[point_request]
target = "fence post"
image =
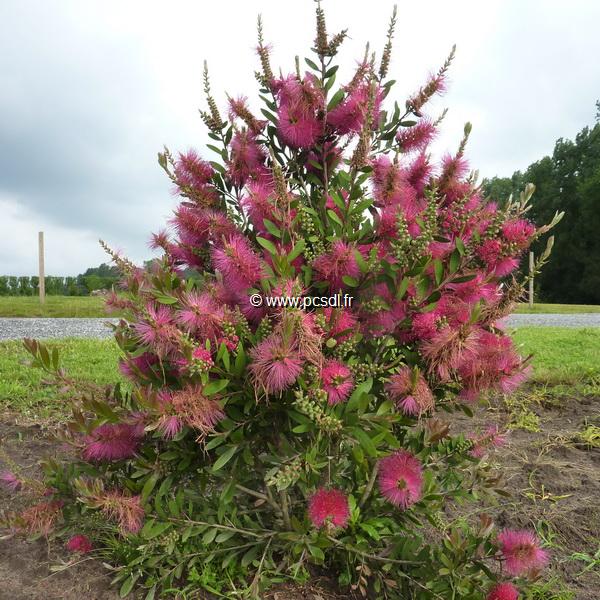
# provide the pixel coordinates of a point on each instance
(42, 284)
(531, 270)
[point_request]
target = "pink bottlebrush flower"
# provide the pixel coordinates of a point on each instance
(491, 438)
(276, 364)
(329, 506)
(410, 392)
(521, 552)
(80, 543)
(40, 518)
(449, 349)
(436, 84)
(261, 204)
(138, 366)
(401, 478)
(518, 232)
(350, 115)
(510, 382)
(337, 381)
(454, 168)
(417, 137)
(196, 410)
(340, 323)
(247, 158)
(425, 325)
(157, 329)
(237, 263)
(336, 263)
(11, 481)
(505, 266)
(197, 226)
(300, 101)
(296, 128)
(391, 187)
(238, 107)
(475, 290)
(195, 174)
(169, 426)
(203, 355)
(503, 591)
(419, 173)
(127, 511)
(201, 314)
(111, 442)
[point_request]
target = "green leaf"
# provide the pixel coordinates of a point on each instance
(272, 228)
(335, 100)
(267, 245)
(297, 249)
(460, 246)
(357, 394)
(365, 441)
(454, 261)
(438, 268)
(214, 387)
(269, 115)
(224, 458)
(312, 64)
(250, 556)
(334, 217)
(127, 586)
(149, 486)
(350, 281)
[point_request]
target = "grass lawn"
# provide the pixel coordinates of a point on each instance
(562, 357)
(562, 309)
(22, 389)
(55, 306)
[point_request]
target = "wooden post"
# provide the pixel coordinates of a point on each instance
(531, 269)
(42, 284)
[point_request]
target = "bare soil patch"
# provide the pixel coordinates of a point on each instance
(553, 477)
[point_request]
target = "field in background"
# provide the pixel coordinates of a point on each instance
(562, 357)
(55, 306)
(560, 309)
(93, 306)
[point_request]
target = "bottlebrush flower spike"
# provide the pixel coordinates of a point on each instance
(417, 137)
(276, 364)
(11, 481)
(196, 410)
(337, 381)
(521, 552)
(329, 506)
(80, 543)
(503, 591)
(237, 263)
(333, 265)
(401, 479)
(410, 392)
(40, 518)
(111, 442)
(126, 510)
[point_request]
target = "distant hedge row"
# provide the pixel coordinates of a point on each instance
(82, 285)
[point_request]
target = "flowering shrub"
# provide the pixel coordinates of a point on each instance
(259, 442)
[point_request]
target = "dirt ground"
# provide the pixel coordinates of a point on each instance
(554, 479)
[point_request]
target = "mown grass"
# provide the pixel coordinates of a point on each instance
(559, 309)
(562, 357)
(54, 306)
(93, 306)
(22, 388)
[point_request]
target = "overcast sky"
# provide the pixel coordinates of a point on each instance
(91, 90)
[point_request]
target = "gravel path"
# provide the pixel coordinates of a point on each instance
(551, 320)
(14, 329)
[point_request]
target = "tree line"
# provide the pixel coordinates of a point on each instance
(96, 278)
(569, 181)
